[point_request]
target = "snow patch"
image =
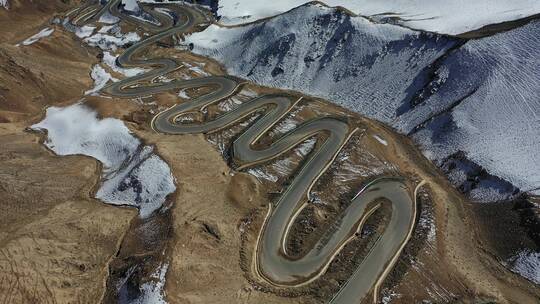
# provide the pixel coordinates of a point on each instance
(153, 292)
(101, 78)
(107, 18)
(4, 4)
(183, 94)
(527, 264)
(380, 140)
(132, 174)
(131, 5)
(110, 61)
(85, 31)
(112, 42)
(46, 32)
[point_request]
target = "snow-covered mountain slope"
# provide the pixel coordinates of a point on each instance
(473, 106)
(485, 102)
(442, 16)
(326, 52)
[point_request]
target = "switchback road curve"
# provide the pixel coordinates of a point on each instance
(271, 262)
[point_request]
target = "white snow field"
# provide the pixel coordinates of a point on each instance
(442, 16)
(480, 102)
(132, 174)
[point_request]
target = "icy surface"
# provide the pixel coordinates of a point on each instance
(527, 264)
(491, 114)
(46, 32)
(325, 52)
(132, 174)
(443, 16)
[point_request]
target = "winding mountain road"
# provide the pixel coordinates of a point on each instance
(271, 262)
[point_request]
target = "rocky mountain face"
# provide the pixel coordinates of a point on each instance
(471, 105)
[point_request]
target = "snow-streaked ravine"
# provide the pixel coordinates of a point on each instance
(46, 32)
(132, 174)
(442, 16)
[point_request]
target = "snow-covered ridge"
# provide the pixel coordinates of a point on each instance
(442, 16)
(328, 53)
(132, 174)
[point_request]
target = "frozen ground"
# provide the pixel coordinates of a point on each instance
(46, 32)
(132, 174)
(442, 16)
